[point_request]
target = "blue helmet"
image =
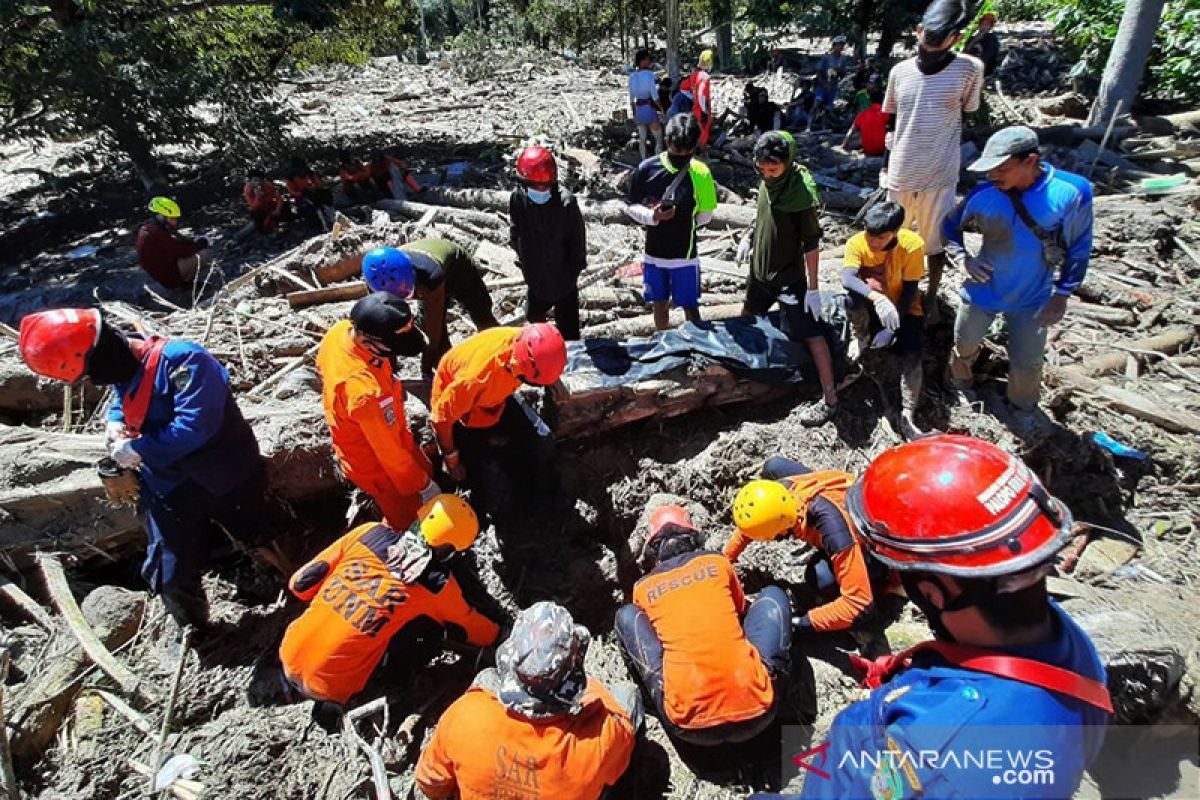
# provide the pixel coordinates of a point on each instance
(387, 269)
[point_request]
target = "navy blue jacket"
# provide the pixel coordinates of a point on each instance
(193, 429)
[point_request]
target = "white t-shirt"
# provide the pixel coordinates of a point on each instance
(643, 85)
(926, 145)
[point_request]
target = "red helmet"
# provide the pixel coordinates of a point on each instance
(958, 506)
(536, 165)
(541, 353)
(57, 343)
(668, 515)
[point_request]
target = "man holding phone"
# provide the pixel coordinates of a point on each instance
(672, 195)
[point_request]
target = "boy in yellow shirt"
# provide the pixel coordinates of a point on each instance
(883, 267)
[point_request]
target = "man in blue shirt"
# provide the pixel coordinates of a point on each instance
(1036, 223)
(176, 422)
(1010, 699)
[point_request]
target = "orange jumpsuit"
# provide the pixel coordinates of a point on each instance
(473, 380)
(843, 547)
(356, 606)
(711, 673)
(480, 750)
(364, 406)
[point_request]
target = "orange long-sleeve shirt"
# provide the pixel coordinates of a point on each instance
(355, 607)
(364, 406)
(711, 672)
(481, 751)
(473, 380)
(298, 186)
(842, 545)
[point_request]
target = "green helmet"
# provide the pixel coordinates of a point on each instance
(165, 206)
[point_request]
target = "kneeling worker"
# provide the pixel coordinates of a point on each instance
(536, 726)
(367, 587)
(810, 506)
(507, 452)
(364, 406)
(713, 669)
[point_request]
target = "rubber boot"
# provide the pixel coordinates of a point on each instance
(910, 396)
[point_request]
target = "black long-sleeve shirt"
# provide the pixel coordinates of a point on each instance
(550, 241)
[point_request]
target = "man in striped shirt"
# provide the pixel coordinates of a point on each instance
(927, 96)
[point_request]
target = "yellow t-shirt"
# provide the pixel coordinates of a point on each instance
(904, 262)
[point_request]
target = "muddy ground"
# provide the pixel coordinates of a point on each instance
(1134, 586)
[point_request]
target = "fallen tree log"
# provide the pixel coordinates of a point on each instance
(1135, 404)
(21, 391)
(1187, 121)
(46, 697)
(579, 411)
(1121, 317)
(1067, 135)
(1166, 343)
(329, 294)
(51, 497)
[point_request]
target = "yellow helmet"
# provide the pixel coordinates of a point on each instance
(165, 206)
(706, 59)
(448, 519)
(765, 509)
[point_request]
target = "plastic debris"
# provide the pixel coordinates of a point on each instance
(1159, 185)
(177, 766)
(83, 251)
(1117, 449)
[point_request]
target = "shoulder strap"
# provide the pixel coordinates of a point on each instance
(136, 403)
(979, 659)
(1018, 202)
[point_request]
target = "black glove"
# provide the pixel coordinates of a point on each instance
(202, 241)
(328, 715)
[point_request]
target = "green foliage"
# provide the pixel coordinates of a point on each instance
(143, 74)
(1024, 10)
(1173, 72)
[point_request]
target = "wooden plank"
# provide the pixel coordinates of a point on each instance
(1168, 342)
(329, 294)
(64, 601)
(1128, 402)
(27, 604)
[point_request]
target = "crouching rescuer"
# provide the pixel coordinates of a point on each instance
(365, 590)
(536, 726)
(795, 502)
(175, 422)
(713, 665)
(974, 535)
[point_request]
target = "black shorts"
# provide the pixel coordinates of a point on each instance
(799, 323)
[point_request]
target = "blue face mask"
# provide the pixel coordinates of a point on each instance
(539, 197)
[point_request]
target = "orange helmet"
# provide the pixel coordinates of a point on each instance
(957, 506)
(57, 343)
(541, 353)
(669, 515)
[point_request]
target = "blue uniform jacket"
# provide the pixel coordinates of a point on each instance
(936, 708)
(193, 429)
(1061, 203)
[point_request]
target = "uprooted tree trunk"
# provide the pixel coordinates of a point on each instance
(1127, 59)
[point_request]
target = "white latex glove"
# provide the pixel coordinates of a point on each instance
(979, 270)
(886, 310)
(882, 339)
(430, 491)
(812, 303)
(123, 453)
(743, 251)
(113, 432)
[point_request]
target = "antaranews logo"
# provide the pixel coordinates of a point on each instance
(1009, 767)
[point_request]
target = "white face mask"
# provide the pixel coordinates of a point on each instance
(539, 197)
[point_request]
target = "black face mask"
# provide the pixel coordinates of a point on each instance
(931, 62)
(892, 244)
(111, 361)
(679, 162)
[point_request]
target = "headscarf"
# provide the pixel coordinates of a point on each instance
(794, 190)
(541, 663)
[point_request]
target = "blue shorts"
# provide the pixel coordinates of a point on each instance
(680, 285)
(826, 95)
(646, 115)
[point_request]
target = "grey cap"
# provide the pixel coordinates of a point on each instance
(541, 663)
(1004, 144)
(839, 39)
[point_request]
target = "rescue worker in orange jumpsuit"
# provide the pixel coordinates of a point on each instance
(392, 177)
(538, 726)
(713, 666)
(356, 180)
(488, 437)
(369, 587)
(811, 506)
(364, 406)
